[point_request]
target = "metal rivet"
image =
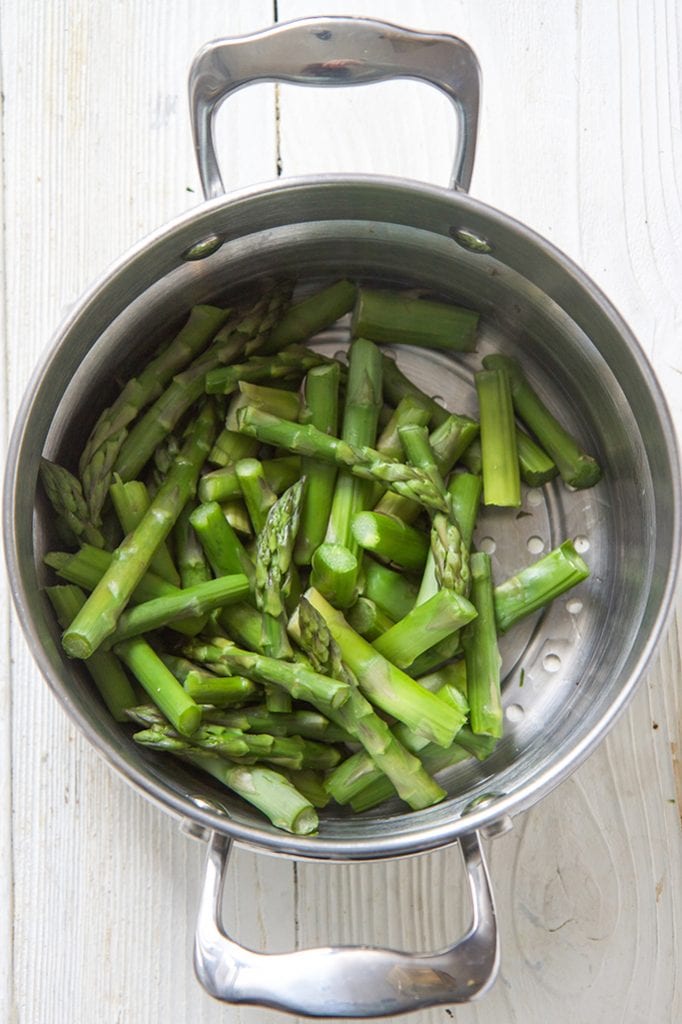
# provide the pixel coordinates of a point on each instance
(206, 247)
(470, 240)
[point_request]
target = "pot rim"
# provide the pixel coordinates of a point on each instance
(416, 839)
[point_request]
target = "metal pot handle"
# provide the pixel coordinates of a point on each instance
(333, 52)
(346, 981)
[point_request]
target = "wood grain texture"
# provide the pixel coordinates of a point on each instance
(580, 138)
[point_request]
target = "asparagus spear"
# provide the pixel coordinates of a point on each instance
(499, 459)
(274, 552)
(427, 624)
(98, 617)
(360, 421)
(263, 787)
(258, 495)
(384, 684)
(311, 725)
(66, 497)
(206, 688)
(160, 683)
(367, 619)
(391, 539)
(298, 680)
(576, 467)
(483, 662)
(225, 552)
(313, 314)
(397, 386)
(201, 326)
(289, 365)
(229, 448)
(187, 387)
(434, 759)
(364, 462)
(195, 601)
(397, 318)
(535, 465)
(86, 567)
(223, 484)
(285, 404)
(392, 592)
(322, 411)
(131, 501)
(192, 564)
(536, 585)
(358, 717)
(104, 667)
(447, 564)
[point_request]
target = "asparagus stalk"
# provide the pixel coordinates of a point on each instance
(448, 558)
(313, 314)
(393, 318)
(419, 453)
(538, 584)
(358, 717)
(575, 467)
(237, 516)
(188, 386)
(225, 552)
(483, 662)
(383, 683)
(391, 539)
(448, 442)
(434, 759)
(223, 484)
(427, 624)
(108, 434)
(244, 625)
(195, 601)
(499, 459)
(411, 410)
(298, 680)
(360, 422)
(290, 365)
(274, 552)
(535, 466)
(263, 787)
(258, 495)
(229, 448)
(363, 462)
(207, 688)
(397, 386)
(98, 617)
(392, 592)
(311, 725)
(86, 567)
(367, 619)
(65, 494)
(192, 564)
(131, 501)
(104, 667)
(322, 411)
(285, 404)
(335, 572)
(159, 682)
(309, 784)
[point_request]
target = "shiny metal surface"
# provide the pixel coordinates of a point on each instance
(333, 52)
(342, 981)
(568, 673)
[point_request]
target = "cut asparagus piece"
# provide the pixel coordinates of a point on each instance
(499, 459)
(397, 386)
(192, 564)
(575, 467)
(299, 681)
(223, 484)
(412, 410)
(391, 539)
(225, 552)
(335, 572)
(65, 494)
(229, 448)
(367, 619)
(207, 688)
(237, 516)
(535, 465)
(290, 366)
(131, 500)
(263, 787)
(322, 411)
(195, 601)
(384, 684)
(538, 584)
(310, 784)
(274, 552)
(392, 592)
(109, 433)
(285, 404)
(483, 661)
(99, 615)
(393, 318)
(447, 561)
(433, 758)
(311, 725)
(360, 421)
(104, 667)
(364, 462)
(313, 314)
(427, 624)
(188, 386)
(258, 495)
(182, 712)
(358, 716)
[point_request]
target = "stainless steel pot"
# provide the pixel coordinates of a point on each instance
(581, 660)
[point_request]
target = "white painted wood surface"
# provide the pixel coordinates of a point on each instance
(580, 138)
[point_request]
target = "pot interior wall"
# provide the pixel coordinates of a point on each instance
(567, 670)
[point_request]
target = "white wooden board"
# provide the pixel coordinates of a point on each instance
(580, 138)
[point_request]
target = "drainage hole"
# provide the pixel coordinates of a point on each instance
(535, 545)
(534, 497)
(514, 713)
(574, 606)
(487, 544)
(581, 545)
(551, 663)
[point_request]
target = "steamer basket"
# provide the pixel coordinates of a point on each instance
(569, 672)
